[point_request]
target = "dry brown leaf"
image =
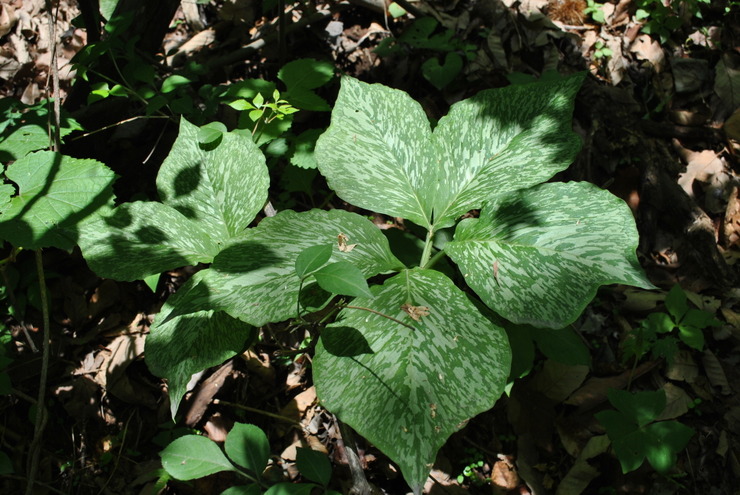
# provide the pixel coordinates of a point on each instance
(504, 475)
(557, 381)
(415, 312)
(582, 473)
(677, 402)
(646, 48)
(593, 392)
(715, 372)
(342, 242)
(683, 367)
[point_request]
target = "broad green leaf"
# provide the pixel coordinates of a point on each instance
(306, 73)
(313, 466)
(144, 238)
(56, 193)
(29, 131)
(305, 99)
(376, 152)
(312, 258)
(419, 374)
(676, 302)
(254, 277)
(193, 456)
(343, 278)
(691, 335)
(253, 489)
(173, 82)
(668, 438)
(222, 189)
(538, 255)
(303, 149)
(6, 465)
(562, 345)
(247, 446)
(211, 132)
(641, 407)
(502, 140)
(178, 347)
(290, 489)
(379, 152)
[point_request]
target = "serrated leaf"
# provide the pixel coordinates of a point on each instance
(313, 466)
(312, 258)
(303, 149)
(305, 99)
(415, 406)
(537, 256)
(30, 131)
(343, 278)
(193, 456)
(254, 277)
(223, 189)
(676, 302)
(247, 446)
(379, 152)
(144, 238)
(178, 347)
(56, 194)
(306, 73)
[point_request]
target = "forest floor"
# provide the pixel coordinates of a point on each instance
(660, 129)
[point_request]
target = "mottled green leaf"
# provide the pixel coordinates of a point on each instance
(373, 153)
(247, 446)
(193, 456)
(56, 193)
(419, 374)
(538, 255)
(254, 277)
(342, 278)
(143, 238)
(379, 152)
(222, 189)
(178, 347)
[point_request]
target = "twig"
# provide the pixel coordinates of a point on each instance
(378, 313)
(360, 485)
(258, 411)
(40, 421)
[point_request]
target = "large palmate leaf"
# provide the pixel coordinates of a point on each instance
(538, 255)
(56, 193)
(408, 387)
(182, 346)
(380, 153)
(208, 197)
(254, 277)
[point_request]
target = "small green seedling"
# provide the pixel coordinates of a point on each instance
(595, 10)
(634, 434)
(601, 50)
(690, 323)
(247, 453)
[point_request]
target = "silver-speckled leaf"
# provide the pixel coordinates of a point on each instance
(415, 387)
(538, 255)
(379, 152)
(184, 345)
(141, 238)
(375, 154)
(56, 193)
(254, 279)
(222, 189)
(502, 140)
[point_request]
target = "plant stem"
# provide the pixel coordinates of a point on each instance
(40, 421)
(426, 254)
(378, 313)
(258, 411)
(434, 259)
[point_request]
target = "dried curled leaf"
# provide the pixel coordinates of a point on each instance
(342, 242)
(415, 312)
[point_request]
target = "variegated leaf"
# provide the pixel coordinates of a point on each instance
(184, 345)
(411, 385)
(254, 277)
(538, 255)
(375, 152)
(141, 238)
(502, 140)
(379, 152)
(222, 189)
